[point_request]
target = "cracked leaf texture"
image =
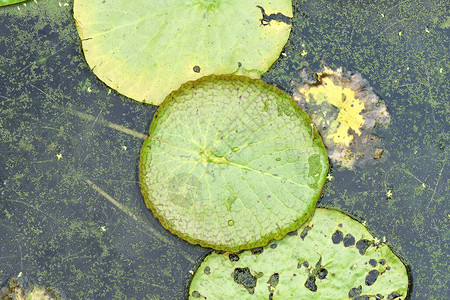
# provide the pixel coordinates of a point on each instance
(231, 163)
(315, 263)
(145, 49)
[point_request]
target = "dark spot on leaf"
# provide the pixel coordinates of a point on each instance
(273, 246)
(271, 296)
(363, 297)
(388, 268)
(322, 273)
(340, 225)
(373, 262)
(207, 270)
(393, 295)
(337, 237)
(259, 274)
(355, 292)
(233, 257)
(257, 250)
(305, 232)
(293, 233)
(219, 252)
(239, 64)
(362, 246)
(196, 294)
(349, 240)
(306, 264)
(372, 277)
(244, 277)
(311, 283)
(267, 18)
(197, 69)
(379, 297)
(273, 280)
(382, 262)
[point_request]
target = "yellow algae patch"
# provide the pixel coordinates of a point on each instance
(350, 108)
(344, 109)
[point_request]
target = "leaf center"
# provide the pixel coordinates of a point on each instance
(208, 156)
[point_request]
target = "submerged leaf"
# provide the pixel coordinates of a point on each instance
(146, 49)
(345, 110)
(231, 163)
(337, 258)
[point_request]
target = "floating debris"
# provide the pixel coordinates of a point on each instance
(21, 287)
(345, 110)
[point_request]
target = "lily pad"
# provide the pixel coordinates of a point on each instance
(231, 163)
(146, 49)
(9, 2)
(330, 257)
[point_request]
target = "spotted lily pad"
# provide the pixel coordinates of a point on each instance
(330, 257)
(231, 163)
(147, 48)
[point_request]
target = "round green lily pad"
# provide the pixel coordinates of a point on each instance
(231, 163)
(145, 49)
(332, 256)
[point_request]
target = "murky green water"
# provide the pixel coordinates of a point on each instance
(71, 212)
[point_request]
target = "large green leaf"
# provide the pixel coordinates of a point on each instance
(8, 2)
(330, 257)
(231, 163)
(147, 48)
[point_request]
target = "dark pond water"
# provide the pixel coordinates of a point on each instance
(71, 212)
